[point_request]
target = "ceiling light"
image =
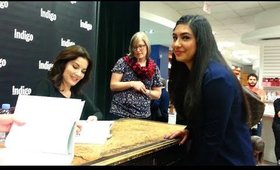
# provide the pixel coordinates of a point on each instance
(240, 52)
(157, 19)
(236, 56)
(150, 31)
(225, 44)
(246, 60)
(252, 57)
(206, 7)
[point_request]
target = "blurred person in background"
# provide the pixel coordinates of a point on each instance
(258, 149)
(276, 129)
(159, 108)
(252, 80)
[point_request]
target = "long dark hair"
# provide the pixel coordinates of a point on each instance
(188, 91)
(65, 55)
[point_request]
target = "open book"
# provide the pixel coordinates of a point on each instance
(94, 132)
(47, 138)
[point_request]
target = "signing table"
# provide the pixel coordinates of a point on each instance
(133, 142)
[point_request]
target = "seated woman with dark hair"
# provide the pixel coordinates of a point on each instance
(70, 72)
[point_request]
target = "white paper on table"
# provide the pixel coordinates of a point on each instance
(49, 129)
(94, 132)
(22, 157)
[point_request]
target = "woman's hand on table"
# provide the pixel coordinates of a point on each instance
(183, 134)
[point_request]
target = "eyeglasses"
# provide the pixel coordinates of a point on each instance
(141, 47)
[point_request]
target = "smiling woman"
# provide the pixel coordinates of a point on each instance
(200, 76)
(70, 72)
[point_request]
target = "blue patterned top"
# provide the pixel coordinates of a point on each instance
(131, 103)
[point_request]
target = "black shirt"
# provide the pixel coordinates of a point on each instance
(46, 88)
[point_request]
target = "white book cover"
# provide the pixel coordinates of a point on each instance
(47, 138)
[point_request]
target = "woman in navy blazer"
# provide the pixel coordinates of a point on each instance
(208, 98)
(276, 129)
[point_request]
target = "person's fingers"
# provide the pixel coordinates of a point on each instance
(183, 140)
(166, 136)
(18, 121)
(5, 128)
(171, 136)
(78, 128)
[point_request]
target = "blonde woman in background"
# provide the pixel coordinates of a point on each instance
(135, 81)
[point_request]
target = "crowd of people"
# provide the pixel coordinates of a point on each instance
(199, 79)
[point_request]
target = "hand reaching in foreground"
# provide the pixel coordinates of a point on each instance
(7, 120)
(183, 134)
